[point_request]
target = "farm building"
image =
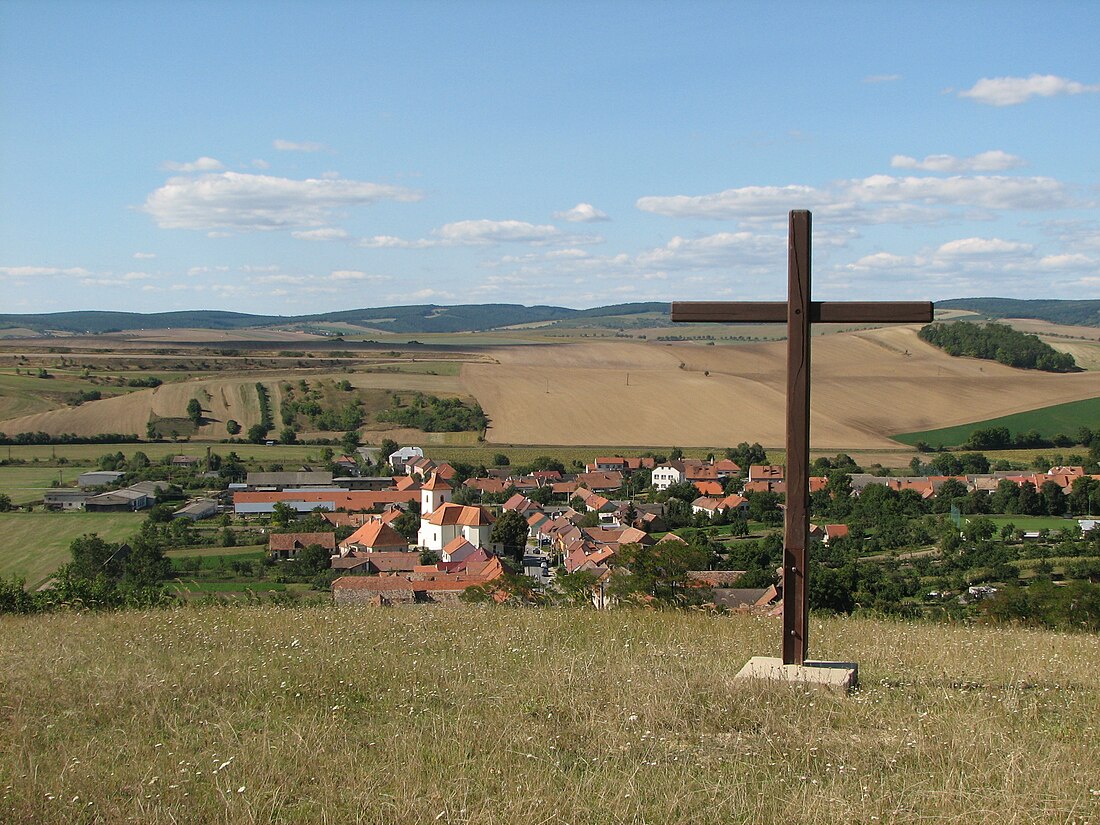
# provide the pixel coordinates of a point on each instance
(65, 499)
(198, 509)
(98, 478)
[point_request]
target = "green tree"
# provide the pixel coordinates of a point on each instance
(5, 503)
(283, 514)
(14, 598)
(659, 572)
(314, 559)
(350, 441)
(575, 588)
(194, 411)
(387, 448)
(257, 433)
(93, 557)
(287, 435)
(510, 531)
(407, 524)
(232, 426)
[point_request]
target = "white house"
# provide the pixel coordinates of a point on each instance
(399, 458)
(668, 474)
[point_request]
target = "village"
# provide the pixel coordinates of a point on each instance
(399, 527)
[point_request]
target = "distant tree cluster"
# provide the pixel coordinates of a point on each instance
(997, 342)
(432, 415)
(68, 438)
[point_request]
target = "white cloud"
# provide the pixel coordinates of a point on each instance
(748, 201)
(280, 279)
(206, 270)
(203, 164)
(244, 202)
(354, 275)
(881, 78)
(298, 146)
(1068, 261)
(983, 247)
(144, 256)
(874, 200)
(994, 160)
(391, 242)
(260, 163)
(42, 271)
(722, 249)
(1011, 91)
(326, 234)
(482, 233)
(582, 213)
(880, 261)
(126, 279)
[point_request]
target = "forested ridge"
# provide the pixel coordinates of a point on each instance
(997, 342)
(1073, 313)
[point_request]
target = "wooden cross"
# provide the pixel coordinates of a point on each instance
(799, 312)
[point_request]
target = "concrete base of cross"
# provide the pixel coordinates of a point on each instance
(839, 676)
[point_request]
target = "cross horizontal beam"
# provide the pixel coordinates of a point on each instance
(821, 312)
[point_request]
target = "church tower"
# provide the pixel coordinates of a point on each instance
(433, 494)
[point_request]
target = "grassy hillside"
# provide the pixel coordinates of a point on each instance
(1047, 421)
(522, 716)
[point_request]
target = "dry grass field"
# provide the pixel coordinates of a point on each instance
(866, 386)
(501, 716)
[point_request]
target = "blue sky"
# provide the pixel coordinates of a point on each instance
(291, 157)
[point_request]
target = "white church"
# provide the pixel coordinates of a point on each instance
(445, 525)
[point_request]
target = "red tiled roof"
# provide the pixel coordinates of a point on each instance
(709, 488)
(376, 534)
(436, 483)
(466, 515)
(283, 542)
(342, 499)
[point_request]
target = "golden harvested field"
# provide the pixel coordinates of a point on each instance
(866, 386)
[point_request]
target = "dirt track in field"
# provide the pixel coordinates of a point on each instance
(865, 386)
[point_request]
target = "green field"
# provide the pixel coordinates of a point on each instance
(157, 450)
(27, 483)
(1047, 421)
(209, 554)
(35, 544)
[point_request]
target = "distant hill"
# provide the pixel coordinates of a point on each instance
(401, 319)
(425, 318)
(1072, 313)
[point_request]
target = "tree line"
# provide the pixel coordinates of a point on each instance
(997, 342)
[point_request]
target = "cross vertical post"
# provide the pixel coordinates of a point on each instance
(796, 524)
(799, 312)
